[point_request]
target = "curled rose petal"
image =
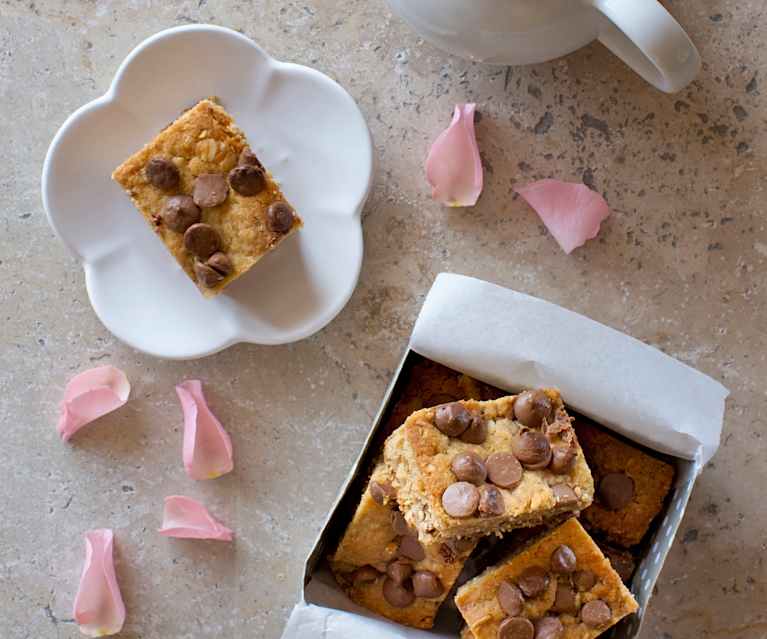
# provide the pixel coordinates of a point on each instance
(99, 609)
(207, 448)
(90, 395)
(453, 166)
(571, 212)
(186, 518)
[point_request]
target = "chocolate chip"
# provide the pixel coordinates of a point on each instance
(460, 499)
(220, 262)
(562, 458)
(451, 549)
(469, 467)
(399, 570)
(279, 217)
(476, 433)
(549, 628)
(516, 628)
(205, 275)
(214, 270)
(452, 419)
(162, 173)
(532, 407)
(201, 240)
(381, 492)
(399, 524)
(510, 599)
(616, 490)
(397, 595)
(448, 555)
(365, 574)
(563, 560)
(210, 189)
(596, 613)
(584, 580)
(491, 502)
(411, 548)
(504, 470)
(180, 212)
(532, 449)
(533, 581)
(564, 495)
(247, 180)
(564, 601)
(248, 158)
(427, 585)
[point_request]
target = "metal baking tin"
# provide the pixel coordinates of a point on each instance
(645, 575)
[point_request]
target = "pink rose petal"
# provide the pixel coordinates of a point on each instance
(99, 609)
(207, 447)
(571, 212)
(453, 166)
(90, 395)
(186, 518)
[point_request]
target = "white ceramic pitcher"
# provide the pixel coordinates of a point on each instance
(511, 32)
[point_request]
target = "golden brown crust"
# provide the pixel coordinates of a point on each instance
(419, 456)
(205, 139)
(652, 481)
(477, 600)
(370, 540)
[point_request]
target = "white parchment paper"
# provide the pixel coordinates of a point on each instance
(332, 615)
(512, 340)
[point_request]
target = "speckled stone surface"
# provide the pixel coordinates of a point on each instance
(680, 264)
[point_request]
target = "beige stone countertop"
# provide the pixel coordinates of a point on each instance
(679, 264)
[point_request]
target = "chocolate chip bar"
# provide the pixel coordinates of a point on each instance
(473, 468)
(383, 567)
(208, 197)
(559, 587)
(631, 485)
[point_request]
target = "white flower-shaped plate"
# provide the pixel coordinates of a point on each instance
(305, 128)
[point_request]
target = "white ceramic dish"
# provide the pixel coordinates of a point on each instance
(307, 130)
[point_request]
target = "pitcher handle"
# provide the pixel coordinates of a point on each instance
(645, 36)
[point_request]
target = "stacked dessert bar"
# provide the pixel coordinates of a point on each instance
(207, 196)
(475, 466)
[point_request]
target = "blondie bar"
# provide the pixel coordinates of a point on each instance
(208, 197)
(559, 587)
(630, 485)
(472, 468)
(383, 567)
